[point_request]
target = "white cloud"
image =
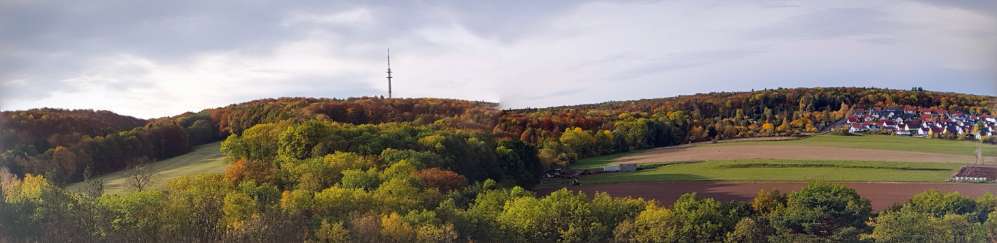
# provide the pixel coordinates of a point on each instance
(356, 16)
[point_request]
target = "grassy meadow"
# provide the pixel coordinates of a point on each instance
(880, 142)
(203, 159)
(784, 170)
(884, 142)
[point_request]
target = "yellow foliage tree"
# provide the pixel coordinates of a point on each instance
(332, 232)
(396, 229)
(237, 209)
(768, 129)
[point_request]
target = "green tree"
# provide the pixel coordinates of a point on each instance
(700, 220)
(332, 232)
(297, 141)
(339, 203)
(135, 216)
(822, 210)
(906, 225)
(579, 143)
(939, 204)
(653, 224)
(354, 178)
(748, 230)
(238, 208)
(612, 210)
(560, 216)
(519, 163)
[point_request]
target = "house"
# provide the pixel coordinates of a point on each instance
(890, 124)
(857, 128)
(952, 128)
(914, 124)
(935, 131)
(871, 126)
(916, 121)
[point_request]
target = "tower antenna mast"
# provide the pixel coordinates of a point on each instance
(389, 73)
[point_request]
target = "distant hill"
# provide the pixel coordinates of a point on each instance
(46, 127)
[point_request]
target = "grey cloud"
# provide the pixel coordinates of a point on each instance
(985, 7)
(656, 66)
(509, 20)
(830, 23)
(173, 31)
(44, 43)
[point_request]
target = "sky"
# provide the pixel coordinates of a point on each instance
(161, 58)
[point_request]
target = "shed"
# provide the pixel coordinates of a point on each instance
(611, 168)
(631, 167)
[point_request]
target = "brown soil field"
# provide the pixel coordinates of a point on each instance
(882, 195)
(696, 152)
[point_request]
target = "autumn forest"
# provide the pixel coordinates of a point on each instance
(440, 170)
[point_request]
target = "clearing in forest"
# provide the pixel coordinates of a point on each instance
(204, 159)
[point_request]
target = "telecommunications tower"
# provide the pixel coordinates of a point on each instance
(389, 73)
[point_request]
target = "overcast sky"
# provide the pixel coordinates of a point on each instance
(159, 58)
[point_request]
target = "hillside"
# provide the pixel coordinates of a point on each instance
(203, 159)
(45, 128)
(68, 145)
(431, 170)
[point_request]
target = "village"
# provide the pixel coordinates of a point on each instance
(921, 122)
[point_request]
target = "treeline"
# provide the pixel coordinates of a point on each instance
(628, 133)
(69, 146)
(234, 119)
(44, 128)
(309, 147)
(712, 116)
(403, 203)
(320, 180)
(72, 145)
(801, 110)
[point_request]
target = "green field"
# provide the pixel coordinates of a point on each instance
(599, 161)
(882, 142)
(204, 159)
(885, 142)
(785, 170)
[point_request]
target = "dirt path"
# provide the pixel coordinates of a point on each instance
(882, 195)
(788, 152)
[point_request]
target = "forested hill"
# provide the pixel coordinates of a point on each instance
(235, 118)
(67, 146)
(41, 127)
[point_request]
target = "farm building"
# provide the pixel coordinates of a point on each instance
(976, 174)
(611, 168)
(630, 167)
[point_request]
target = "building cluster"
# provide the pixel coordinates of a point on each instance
(921, 122)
